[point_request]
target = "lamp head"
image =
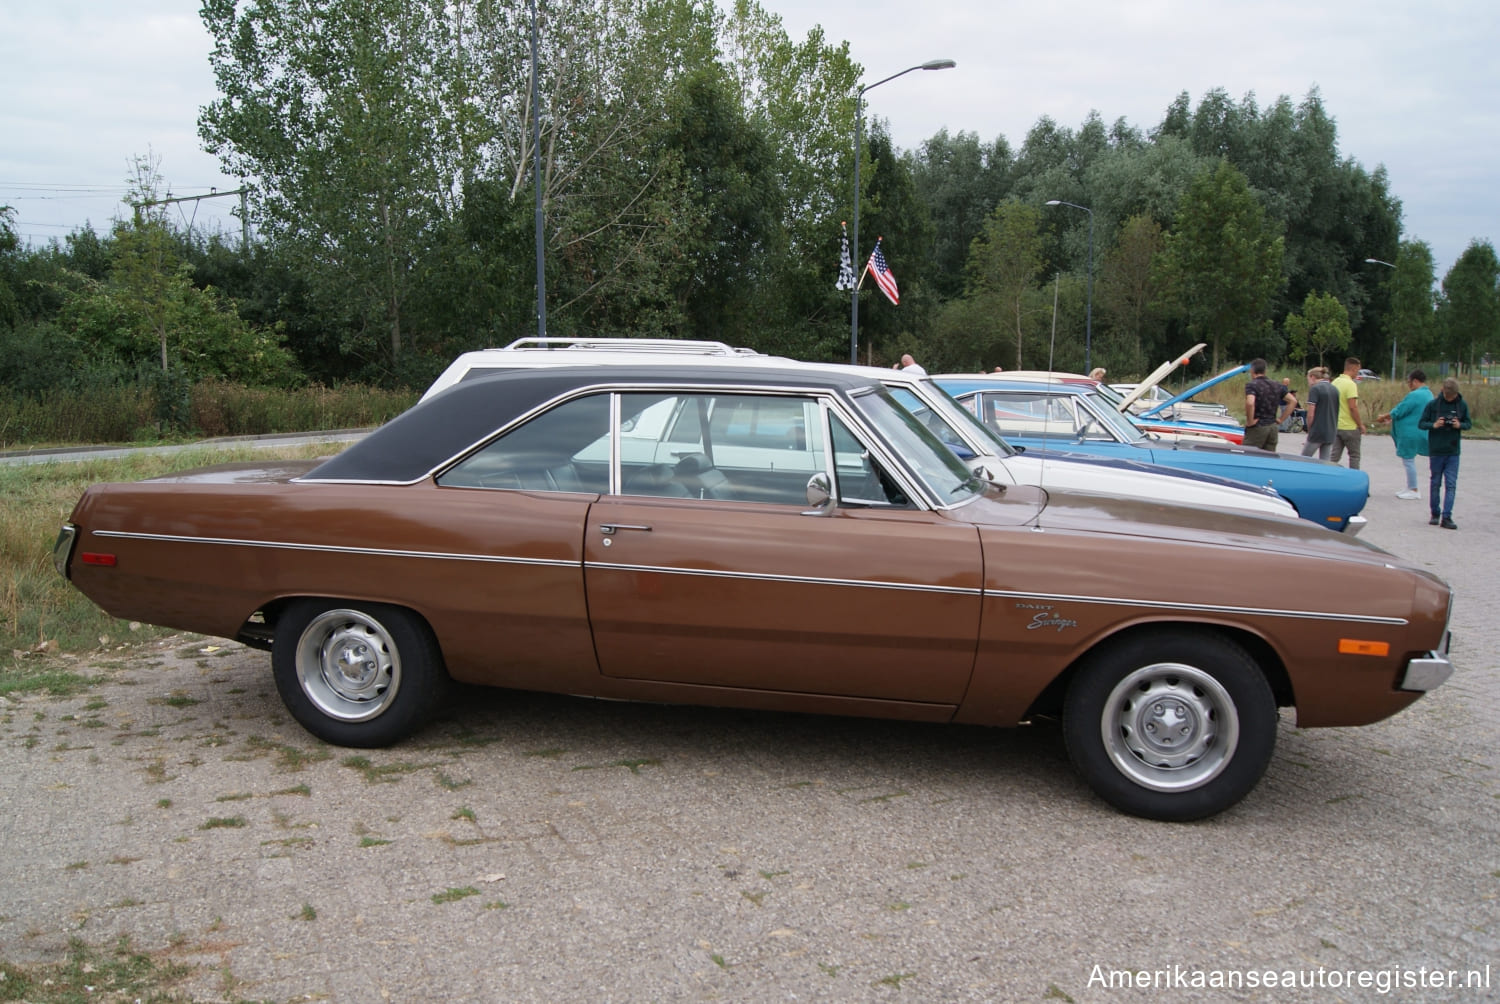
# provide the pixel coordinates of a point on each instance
(939, 64)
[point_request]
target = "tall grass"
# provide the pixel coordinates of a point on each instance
(129, 412)
(42, 617)
(226, 409)
(1376, 397)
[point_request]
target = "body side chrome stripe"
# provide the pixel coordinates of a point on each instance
(773, 577)
(335, 549)
(1120, 601)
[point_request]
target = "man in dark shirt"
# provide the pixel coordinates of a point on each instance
(1263, 401)
(1444, 418)
(1322, 413)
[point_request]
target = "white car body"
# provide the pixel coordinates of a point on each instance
(1000, 462)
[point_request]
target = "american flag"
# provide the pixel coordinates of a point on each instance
(882, 272)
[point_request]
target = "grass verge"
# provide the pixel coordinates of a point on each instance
(44, 620)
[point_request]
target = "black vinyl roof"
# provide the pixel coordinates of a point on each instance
(414, 443)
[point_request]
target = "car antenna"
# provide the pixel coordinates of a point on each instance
(1046, 410)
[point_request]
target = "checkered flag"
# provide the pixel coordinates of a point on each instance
(846, 265)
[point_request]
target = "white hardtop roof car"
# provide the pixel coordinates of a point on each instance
(954, 424)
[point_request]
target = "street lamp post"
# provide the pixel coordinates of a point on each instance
(536, 180)
(1377, 261)
(1088, 321)
(859, 116)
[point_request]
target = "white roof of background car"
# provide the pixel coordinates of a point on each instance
(536, 351)
(1081, 477)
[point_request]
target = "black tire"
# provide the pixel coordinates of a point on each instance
(1175, 725)
(357, 674)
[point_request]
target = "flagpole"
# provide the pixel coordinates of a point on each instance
(859, 115)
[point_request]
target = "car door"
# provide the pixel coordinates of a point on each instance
(515, 509)
(880, 600)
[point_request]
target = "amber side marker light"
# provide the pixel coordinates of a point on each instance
(96, 558)
(1353, 646)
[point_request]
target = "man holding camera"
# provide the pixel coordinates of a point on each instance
(1444, 418)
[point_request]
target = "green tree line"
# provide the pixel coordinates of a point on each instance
(695, 165)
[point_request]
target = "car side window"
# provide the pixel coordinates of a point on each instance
(543, 453)
(723, 447)
(1031, 415)
(862, 481)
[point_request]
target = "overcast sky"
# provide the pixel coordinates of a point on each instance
(86, 85)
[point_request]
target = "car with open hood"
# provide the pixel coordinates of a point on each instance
(761, 537)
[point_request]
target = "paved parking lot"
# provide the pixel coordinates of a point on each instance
(542, 848)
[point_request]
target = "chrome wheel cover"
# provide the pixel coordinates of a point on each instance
(1170, 727)
(347, 665)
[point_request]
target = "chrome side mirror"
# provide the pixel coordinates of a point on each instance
(820, 495)
(984, 474)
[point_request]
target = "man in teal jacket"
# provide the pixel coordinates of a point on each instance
(1444, 418)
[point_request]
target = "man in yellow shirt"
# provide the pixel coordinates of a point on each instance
(1351, 426)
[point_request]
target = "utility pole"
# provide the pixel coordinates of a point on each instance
(212, 194)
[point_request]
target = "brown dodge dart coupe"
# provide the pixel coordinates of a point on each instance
(763, 537)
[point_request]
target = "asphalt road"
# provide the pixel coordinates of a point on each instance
(538, 848)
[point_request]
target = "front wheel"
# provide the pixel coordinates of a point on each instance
(1171, 725)
(356, 674)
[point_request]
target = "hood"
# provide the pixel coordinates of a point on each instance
(1171, 522)
(1143, 482)
(1160, 373)
(1198, 389)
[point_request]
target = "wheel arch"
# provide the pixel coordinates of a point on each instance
(1049, 702)
(259, 629)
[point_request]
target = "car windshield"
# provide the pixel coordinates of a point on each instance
(1115, 398)
(1105, 411)
(939, 467)
(951, 422)
(957, 414)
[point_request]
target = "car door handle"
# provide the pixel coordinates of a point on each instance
(609, 528)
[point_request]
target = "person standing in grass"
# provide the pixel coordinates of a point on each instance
(1411, 441)
(1444, 418)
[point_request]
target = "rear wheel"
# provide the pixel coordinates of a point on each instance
(356, 674)
(1172, 725)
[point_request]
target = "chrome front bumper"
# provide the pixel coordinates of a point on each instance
(1428, 672)
(1355, 524)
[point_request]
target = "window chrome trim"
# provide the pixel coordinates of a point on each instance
(616, 475)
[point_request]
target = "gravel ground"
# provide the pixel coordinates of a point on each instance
(538, 848)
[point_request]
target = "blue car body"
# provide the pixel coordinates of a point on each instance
(1069, 418)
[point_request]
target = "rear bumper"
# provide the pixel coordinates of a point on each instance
(62, 548)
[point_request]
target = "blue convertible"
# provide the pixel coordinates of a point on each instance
(1070, 417)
